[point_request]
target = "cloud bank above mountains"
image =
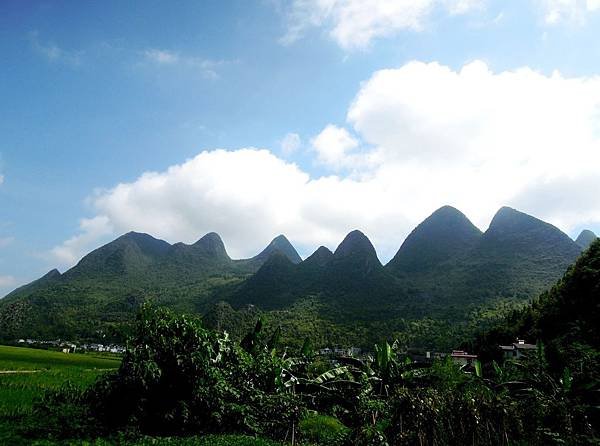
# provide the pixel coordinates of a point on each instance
(415, 138)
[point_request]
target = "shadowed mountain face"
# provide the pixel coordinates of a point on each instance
(586, 238)
(319, 258)
(446, 257)
(349, 280)
(514, 234)
(445, 268)
(279, 244)
(211, 245)
(445, 234)
(355, 256)
(520, 255)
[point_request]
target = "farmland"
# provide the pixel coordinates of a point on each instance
(26, 374)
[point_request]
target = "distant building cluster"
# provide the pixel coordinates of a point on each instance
(352, 352)
(460, 357)
(71, 347)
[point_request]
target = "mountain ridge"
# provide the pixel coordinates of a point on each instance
(445, 268)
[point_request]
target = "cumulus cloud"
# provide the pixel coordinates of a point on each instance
(290, 143)
(355, 23)
(432, 135)
(334, 147)
(567, 201)
(479, 138)
(91, 231)
(569, 11)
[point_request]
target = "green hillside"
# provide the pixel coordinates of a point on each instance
(445, 234)
(566, 318)
(518, 256)
(98, 296)
(444, 276)
(585, 238)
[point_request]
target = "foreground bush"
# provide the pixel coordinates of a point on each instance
(178, 379)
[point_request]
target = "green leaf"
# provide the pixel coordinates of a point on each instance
(478, 370)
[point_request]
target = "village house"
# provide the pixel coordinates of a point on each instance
(517, 349)
(461, 357)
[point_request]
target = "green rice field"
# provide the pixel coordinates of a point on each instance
(26, 373)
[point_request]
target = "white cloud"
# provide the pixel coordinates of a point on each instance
(91, 231)
(290, 144)
(54, 53)
(161, 56)
(206, 67)
(355, 23)
(478, 138)
(1, 179)
(334, 146)
(567, 11)
(568, 202)
(472, 138)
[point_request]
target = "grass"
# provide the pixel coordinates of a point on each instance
(33, 371)
(26, 373)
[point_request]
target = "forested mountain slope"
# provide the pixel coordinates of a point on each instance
(445, 271)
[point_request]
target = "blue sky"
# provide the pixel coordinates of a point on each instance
(95, 96)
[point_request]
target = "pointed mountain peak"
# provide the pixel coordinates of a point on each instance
(144, 241)
(509, 217)
(211, 237)
(449, 216)
(212, 245)
(512, 232)
(136, 236)
(320, 257)
(586, 238)
(283, 245)
(447, 210)
(509, 222)
(355, 244)
(52, 274)
(447, 232)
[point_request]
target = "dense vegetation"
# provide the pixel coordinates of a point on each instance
(179, 379)
(446, 275)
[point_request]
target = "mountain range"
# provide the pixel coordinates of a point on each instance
(445, 268)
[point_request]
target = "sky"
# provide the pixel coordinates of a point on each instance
(304, 117)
